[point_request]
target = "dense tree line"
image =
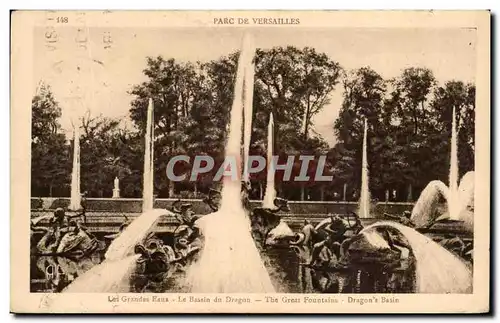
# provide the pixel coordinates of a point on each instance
(409, 126)
(409, 130)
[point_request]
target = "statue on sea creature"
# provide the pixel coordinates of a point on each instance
(123, 226)
(246, 188)
(319, 250)
(64, 237)
(382, 258)
(404, 219)
(264, 220)
(158, 261)
(341, 227)
(77, 242)
(184, 213)
(213, 200)
(458, 246)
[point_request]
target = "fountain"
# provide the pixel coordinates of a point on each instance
(270, 195)
(364, 201)
(453, 196)
(438, 271)
(113, 274)
(75, 200)
(229, 261)
(459, 200)
(248, 113)
(282, 230)
(148, 180)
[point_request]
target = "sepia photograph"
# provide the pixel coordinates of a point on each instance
(253, 155)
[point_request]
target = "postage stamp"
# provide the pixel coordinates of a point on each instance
(250, 162)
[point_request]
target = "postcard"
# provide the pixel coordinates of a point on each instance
(250, 162)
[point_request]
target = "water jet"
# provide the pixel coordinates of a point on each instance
(364, 200)
(75, 202)
(270, 194)
(438, 271)
(229, 261)
(459, 200)
(148, 179)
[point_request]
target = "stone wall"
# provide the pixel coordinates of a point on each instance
(122, 205)
(105, 216)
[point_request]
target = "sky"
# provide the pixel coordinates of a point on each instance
(91, 70)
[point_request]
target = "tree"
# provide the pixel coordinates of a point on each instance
(461, 97)
(296, 83)
(50, 159)
(413, 88)
(408, 120)
(413, 115)
(109, 151)
(364, 92)
(203, 131)
(172, 86)
(192, 103)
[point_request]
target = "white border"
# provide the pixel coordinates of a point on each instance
(185, 4)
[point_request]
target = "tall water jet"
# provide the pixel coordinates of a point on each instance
(248, 113)
(364, 200)
(76, 196)
(453, 200)
(438, 271)
(231, 189)
(147, 191)
(229, 261)
(270, 194)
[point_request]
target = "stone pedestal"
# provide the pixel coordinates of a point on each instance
(116, 189)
